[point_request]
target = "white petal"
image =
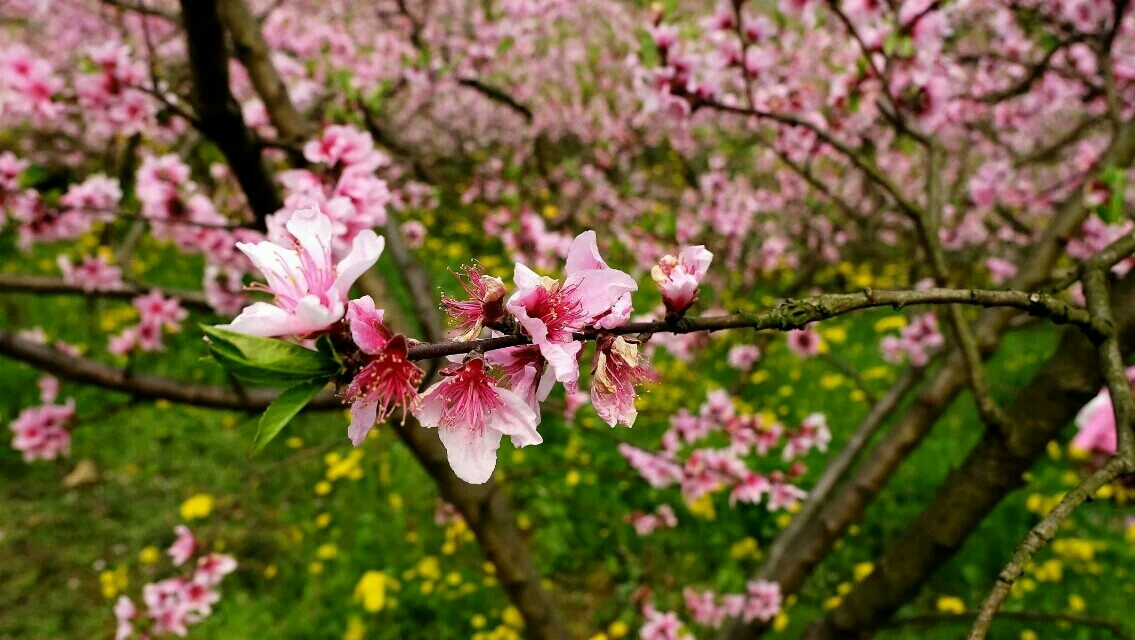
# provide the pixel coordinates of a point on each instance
(281, 268)
(365, 250)
(561, 357)
(264, 320)
(312, 229)
(311, 315)
(472, 455)
(515, 419)
(431, 408)
(525, 280)
(362, 419)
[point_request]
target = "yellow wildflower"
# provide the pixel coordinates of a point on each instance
(951, 604)
(371, 591)
(197, 506)
(356, 630)
(862, 570)
(428, 568)
(149, 555)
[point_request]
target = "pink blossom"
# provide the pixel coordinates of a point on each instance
(183, 547)
(211, 569)
(702, 605)
(662, 626)
(617, 370)
(751, 489)
(646, 523)
(310, 290)
(550, 311)
(1096, 424)
(658, 471)
(782, 495)
(41, 433)
(124, 612)
(344, 146)
(166, 606)
(678, 278)
(415, 233)
(387, 380)
(157, 310)
(1000, 270)
(743, 356)
(471, 414)
(764, 601)
(48, 389)
(804, 342)
(94, 273)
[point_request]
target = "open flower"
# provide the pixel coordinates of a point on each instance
(471, 414)
(310, 289)
(550, 311)
(387, 380)
(678, 278)
(618, 367)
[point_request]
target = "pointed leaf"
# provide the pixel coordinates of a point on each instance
(283, 409)
(268, 360)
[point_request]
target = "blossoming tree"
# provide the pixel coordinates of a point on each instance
(757, 164)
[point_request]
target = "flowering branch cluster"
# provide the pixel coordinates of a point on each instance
(489, 393)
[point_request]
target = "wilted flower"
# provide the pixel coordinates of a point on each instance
(618, 368)
(484, 308)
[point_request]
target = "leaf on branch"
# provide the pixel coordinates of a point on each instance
(1112, 211)
(267, 360)
(283, 409)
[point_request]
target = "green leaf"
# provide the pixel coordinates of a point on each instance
(268, 360)
(891, 43)
(1112, 211)
(283, 409)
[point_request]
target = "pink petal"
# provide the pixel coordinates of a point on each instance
(584, 254)
(515, 419)
(362, 419)
(364, 318)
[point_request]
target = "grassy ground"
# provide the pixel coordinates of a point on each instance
(311, 518)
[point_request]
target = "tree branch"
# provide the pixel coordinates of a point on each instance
(47, 285)
(141, 385)
(218, 112)
(794, 314)
(254, 54)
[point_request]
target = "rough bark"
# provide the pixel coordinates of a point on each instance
(218, 114)
(993, 468)
(253, 52)
(814, 539)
